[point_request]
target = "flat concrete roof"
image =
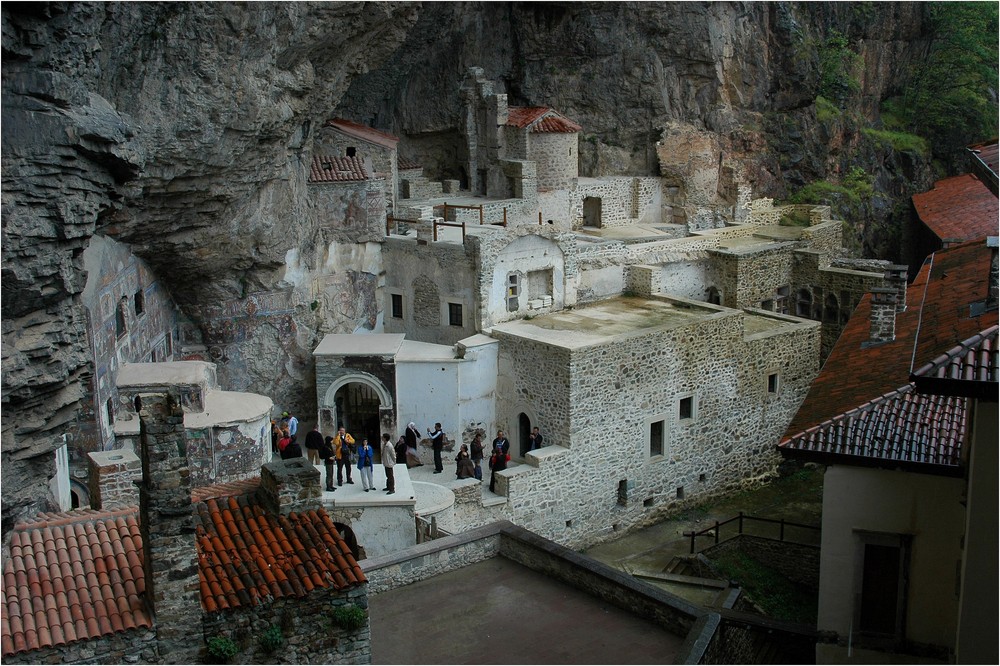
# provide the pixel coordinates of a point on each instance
(359, 344)
(229, 407)
(411, 350)
(602, 322)
(170, 372)
(499, 612)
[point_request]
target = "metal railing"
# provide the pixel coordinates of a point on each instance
(740, 519)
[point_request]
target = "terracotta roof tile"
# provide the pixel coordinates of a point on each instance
(53, 592)
(960, 208)
(938, 315)
(540, 119)
(327, 169)
(404, 164)
(359, 131)
(270, 556)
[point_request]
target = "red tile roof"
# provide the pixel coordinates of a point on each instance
(78, 575)
(974, 359)
(205, 493)
(73, 576)
(939, 313)
(988, 154)
(960, 208)
(327, 169)
(363, 132)
(249, 556)
(540, 119)
(901, 429)
(404, 164)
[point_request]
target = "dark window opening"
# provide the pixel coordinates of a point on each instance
(623, 492)
(397, 306)
(140, 303)
(109, 407)
(120, 328)
(352, 151)
(455, 314)
(656, 438)
(772, 383)
(680, 493)
(686, 408)
(648, 502)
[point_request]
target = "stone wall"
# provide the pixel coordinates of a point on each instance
(450, 269)
(290, 486)
(379, 161)
(795, 561)
(555, 154)
(599, 403)
(132, 646)
(306, 623)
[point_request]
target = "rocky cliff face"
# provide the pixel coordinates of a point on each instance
(185, 130)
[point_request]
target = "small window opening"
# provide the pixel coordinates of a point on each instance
(648, 502)
(109, 408)
(772, 382)
(569, 523)
(352, 151)
(169, 349)
(623, 492)
(767, 304)
(140, 303)
(137, 403)
(455, 314)
(680, 493)
(701, 478)
(397, 306)
(686, 408)
(513, 292)
(656, 439)
(120, 328)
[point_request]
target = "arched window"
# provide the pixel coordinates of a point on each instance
(714, 296)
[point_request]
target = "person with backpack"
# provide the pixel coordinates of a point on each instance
(366, 464)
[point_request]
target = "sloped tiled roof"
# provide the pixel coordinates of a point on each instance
(986, 161)
(404, 164)
(363, 132)
(249, 556)
(540, 119)
(205, 493)
(939, 313)
(901, 429)
(961, 208)
(328, 169)
(968, 369)
(73, 576)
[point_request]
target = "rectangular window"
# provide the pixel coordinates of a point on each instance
(781, 300)
(772, 382)
(540, 283)
(396, 305)
(455, 314)
(882, 562)
(685, 410)
(513, 292)
(656, 431)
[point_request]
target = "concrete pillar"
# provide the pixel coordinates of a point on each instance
(168, 529)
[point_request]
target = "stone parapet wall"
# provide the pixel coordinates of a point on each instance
(306, 623)
(618, 203)
(132, 646)
(796, 561)
(430, 559)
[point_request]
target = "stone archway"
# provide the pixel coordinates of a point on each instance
(362, 404)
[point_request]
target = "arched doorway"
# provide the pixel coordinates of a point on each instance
(357, 408)
(361, 404)
(347, 534)
(523, 432)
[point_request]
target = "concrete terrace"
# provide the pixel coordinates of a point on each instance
(602, 322)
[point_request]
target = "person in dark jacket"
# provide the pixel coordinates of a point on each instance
(291, 450)
(498, 462)
(437, 444)
(329, 458)
(314, 438)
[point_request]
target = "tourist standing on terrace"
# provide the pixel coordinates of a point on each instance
(314, 439)
(388, 460)
(366, 464)
(498, 461)
(535, 439)
(329, 458)
(342, 443)
(477, 455)
(437, 443)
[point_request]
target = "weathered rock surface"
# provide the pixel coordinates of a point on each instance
(185, 130)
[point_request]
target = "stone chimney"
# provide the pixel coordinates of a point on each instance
(112, 477)
(895, 278)
(290, 486)
(883, 315)
(168, 529)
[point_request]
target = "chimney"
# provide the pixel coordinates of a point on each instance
(290, 486)
(170, 556)
(112, 476)
(895, 278)
(883, 315)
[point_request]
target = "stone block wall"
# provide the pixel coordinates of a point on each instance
(642, 280)
(557, 157)
(310, 635)
(600, 402)
(112, 476)
(133, 646)
(618, 203)
(290, 486)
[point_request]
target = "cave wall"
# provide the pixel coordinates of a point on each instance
(185, 131)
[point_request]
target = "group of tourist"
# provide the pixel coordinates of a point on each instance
(341, 452)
